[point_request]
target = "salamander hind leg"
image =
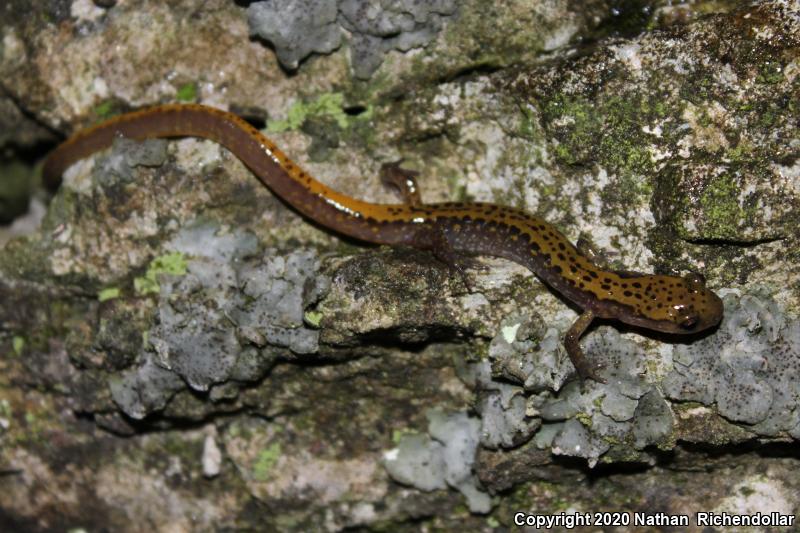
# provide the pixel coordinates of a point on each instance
(434, 240)
(601, 258)
(586, 370)
(403, 181)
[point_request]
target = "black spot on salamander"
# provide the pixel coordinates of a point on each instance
(561, 256)
(562, 246)
(557, 269)
(535, 247)
(627, 294)
(605, 287)
(637, 285)
(624, 285)
(587, 278)
(573, 269)
(593, 274)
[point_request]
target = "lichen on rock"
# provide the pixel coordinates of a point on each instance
(241, 315)
(299, 28)
(749, 370)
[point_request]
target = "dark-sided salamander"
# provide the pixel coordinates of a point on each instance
(661, 303)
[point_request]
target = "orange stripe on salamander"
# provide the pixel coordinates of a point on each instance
(661, 303)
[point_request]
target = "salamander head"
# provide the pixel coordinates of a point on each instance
(683, 305)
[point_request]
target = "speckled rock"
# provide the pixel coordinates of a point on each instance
(750, 369)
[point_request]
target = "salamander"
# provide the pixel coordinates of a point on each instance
(671, 304)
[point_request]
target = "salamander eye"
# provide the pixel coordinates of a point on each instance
(689, 322)
(695, 281)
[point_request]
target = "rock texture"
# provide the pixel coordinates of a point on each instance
(180, 351)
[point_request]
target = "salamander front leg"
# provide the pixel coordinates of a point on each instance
(572, 343)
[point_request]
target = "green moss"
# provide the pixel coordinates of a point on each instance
(329, 105)
(313, 318)
(104, 110)
(607, 131)
(740, 152)
(529, 127)
(172, 264)
(720, 205)
(770, 73)
(266, 461)
(5, 409)
(398, 434)
(33, 427)
(18, 344)
(575, 126)
(746, 491)
(109, 293)
(584, 419)
(187, 92)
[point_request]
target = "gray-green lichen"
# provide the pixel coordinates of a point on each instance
(445, 458)
(298, 29)
(749, 370)
(242, 315)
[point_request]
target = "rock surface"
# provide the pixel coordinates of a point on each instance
(180, 351)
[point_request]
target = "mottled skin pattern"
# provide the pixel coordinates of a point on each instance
(662, 303)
